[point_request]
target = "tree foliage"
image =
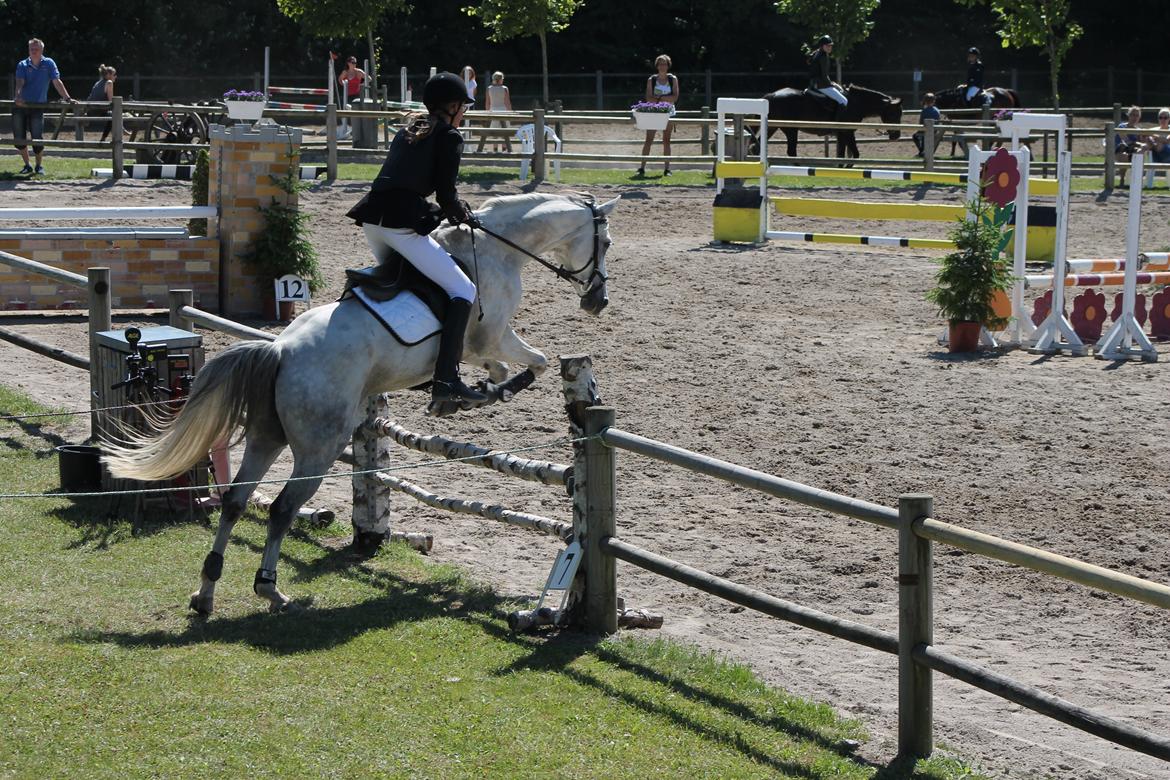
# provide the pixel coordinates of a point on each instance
(1042, 23)
(847, 22)
(339, 18)
(520, 18)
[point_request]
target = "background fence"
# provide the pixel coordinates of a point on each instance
(601, 90)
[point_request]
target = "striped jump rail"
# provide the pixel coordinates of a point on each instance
(297, 91)
(840, 238)
(857, 209)
(297, 106)
(1035, 186)
(1110, 265)
(181, 172)
(1097, 280)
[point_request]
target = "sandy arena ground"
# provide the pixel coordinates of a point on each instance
(819, 365)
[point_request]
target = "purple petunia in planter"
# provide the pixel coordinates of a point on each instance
(244, 104)
(652, 115)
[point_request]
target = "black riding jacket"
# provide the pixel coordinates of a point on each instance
(975, 74)
(818, 70)
(411, 173)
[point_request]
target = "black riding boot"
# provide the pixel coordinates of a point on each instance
(447, 386)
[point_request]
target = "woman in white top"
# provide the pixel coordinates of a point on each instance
(498, 99)
(469, 79)
(662, 87)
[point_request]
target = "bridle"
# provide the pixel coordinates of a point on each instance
(595, 278)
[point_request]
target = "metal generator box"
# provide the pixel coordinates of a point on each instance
(141, 374)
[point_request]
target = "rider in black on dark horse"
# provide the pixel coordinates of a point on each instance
(396, 215)
(974, 78)
(818, 75)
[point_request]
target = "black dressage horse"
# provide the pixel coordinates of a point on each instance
(1001, 97)
(797, 105)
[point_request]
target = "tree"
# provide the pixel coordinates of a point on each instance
(343, 19)
(512, 18)
(847, 22)
(1042, 23)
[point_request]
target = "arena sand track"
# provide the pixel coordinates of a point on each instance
(819, 365)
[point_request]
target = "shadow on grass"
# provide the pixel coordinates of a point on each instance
(304, 630)
(563, 648)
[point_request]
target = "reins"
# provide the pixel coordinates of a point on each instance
(564, 273)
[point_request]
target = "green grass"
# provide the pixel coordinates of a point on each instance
(79, 168)
(392, 667)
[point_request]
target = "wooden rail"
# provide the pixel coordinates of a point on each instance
(914, 643)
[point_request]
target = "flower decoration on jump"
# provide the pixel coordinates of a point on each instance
(644, 107)
(1000, 178)
(1005, 113)
(245, 96)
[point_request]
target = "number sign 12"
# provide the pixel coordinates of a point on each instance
(291, 287)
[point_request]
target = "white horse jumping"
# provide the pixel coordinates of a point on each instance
(307, 389)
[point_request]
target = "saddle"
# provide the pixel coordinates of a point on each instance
(393, 276)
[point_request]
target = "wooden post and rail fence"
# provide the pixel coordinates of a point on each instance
(978, 129)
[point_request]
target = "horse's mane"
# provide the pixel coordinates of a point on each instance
(511, 207)
(867, 91)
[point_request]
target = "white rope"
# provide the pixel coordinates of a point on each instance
(71, 412)
(216, 486)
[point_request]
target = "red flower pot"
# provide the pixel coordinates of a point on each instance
(964, 336)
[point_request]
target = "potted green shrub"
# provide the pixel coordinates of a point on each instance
(970, 278)
(283, 246)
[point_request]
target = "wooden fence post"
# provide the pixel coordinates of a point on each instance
(116, 135)
(600, 89)
(538, 145)
(331, 142)
(100, 317)
(705, 132)
(928, 144)
(915, 627)
(78, 122)
(1110, 154)
(600, 521)
(176, 300)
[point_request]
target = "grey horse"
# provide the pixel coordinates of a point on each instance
(307, 389)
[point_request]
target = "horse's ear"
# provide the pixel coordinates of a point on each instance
(608, 207)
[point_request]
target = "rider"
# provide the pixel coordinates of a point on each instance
(396, 215)
(818, 74)
(974, 76)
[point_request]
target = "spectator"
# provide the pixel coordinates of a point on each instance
(928, 112)
(469, 80)
(1158, 142)
(102, 91)
(498, 99)
(33, 77)
(662, 87)
(1125, 146)
(351, 79)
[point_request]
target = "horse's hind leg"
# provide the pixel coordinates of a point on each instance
(259, 455)
(280, 517)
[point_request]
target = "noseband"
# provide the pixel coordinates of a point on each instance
(595, 278)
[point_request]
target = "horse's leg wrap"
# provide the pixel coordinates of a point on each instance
(263, 577)
(213, 566)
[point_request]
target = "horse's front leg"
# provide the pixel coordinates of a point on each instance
(514, 349)
(497, 371)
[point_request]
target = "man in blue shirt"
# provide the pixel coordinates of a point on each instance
(33, 77)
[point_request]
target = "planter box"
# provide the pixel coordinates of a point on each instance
(651, 120)
(245, 110)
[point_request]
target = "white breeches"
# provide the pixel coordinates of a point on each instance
(971, 93)
(425, 254)
(835, 94)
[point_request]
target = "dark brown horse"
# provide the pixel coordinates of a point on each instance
(1001, 97)
(800, 105)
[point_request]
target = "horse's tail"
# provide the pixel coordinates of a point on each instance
(1015, 96)
(239, 380)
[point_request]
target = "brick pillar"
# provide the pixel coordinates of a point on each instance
(244, 162)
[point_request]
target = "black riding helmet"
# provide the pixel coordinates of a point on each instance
(443, 88)
(823, 40)
(973, 50)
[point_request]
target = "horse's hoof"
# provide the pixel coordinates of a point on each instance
(201, 605)
(283, 607)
